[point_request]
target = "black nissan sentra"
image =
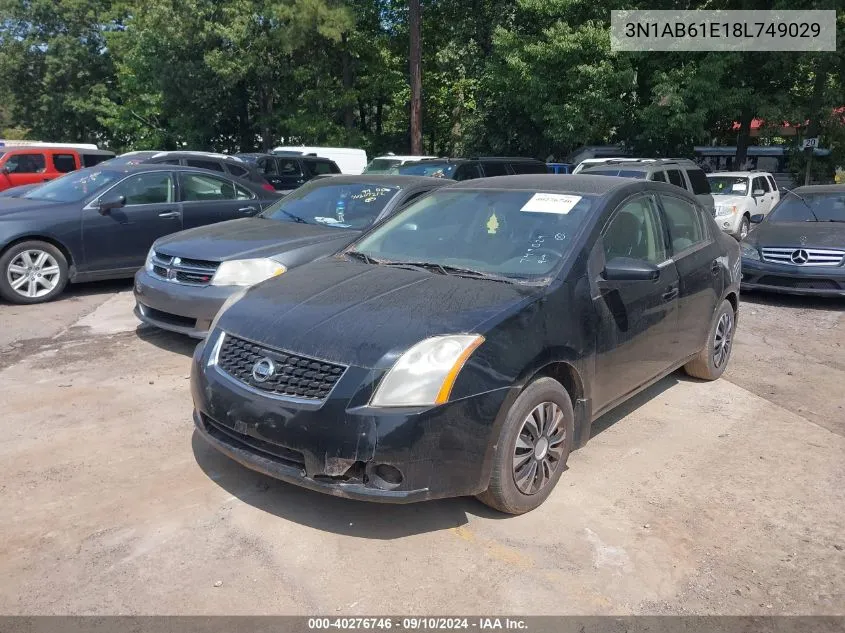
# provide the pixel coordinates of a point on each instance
(465, 345)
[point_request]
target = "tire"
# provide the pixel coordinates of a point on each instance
(32, 272)
(503, 492)
(744, 227)
(713, 358)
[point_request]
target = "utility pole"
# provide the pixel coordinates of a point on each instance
(415, 56)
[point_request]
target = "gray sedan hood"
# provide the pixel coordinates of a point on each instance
(248, 237)
(818, 234)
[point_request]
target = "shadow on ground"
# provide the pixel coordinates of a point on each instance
(74, 292)
(757, 298)
(168, 341)
(364, 519)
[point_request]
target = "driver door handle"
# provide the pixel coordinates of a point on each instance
(247, 210)
(671, 293)
(169, 214)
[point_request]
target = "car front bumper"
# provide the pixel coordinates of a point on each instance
(335, 447)
(730, 224)
(822, 281)
(181, 308)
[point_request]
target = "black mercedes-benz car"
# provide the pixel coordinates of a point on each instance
(99, 223)
(799, 247)
(465, 345)
(189, 275)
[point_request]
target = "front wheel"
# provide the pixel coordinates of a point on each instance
(744, 227)
(32, 272)
(532, 449)
(713, 358)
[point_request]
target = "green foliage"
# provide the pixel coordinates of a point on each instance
(530, 77)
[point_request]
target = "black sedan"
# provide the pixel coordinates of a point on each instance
(465, 345)
(99, 223)
(189, 275)
(799, 247)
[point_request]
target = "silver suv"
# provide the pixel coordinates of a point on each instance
(680, 172)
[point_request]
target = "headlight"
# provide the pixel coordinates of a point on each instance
(725, 209)
(424, 375)
(233, 298)
(748, 251)
(148, 265)
(246, 272)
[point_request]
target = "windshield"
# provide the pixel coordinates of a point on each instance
(347, 206)
(381, 165)
(520, 235)
(437, 170)
(624, 173)
(728, 185)
(74, 186)
(828, 207)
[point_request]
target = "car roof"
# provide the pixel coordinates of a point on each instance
(564, 183)
(739, 174)
(396, 180)
(809, 189)
(183, 153)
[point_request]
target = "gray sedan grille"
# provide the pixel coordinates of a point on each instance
(183, 270)
(802, 256)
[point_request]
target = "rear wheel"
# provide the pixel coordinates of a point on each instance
(32, 272)
(713, 358)
(532, 449)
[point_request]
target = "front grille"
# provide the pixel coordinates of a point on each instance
(276, 452)
(807, 284)
(293, 375)
(800, 256)
(183, 270)
(167, 317)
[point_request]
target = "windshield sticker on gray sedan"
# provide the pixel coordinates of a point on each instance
(560, 204)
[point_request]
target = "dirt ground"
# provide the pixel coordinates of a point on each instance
(706, 498)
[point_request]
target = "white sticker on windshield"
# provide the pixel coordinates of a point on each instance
(738, 187)
(551, 203)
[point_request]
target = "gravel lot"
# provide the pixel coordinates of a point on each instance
(712, 498)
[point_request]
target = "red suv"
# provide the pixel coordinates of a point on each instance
(31, 165)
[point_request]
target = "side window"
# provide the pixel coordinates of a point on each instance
(89, 160)
(413, 197)
(635, 231)
(150, 188)
(676, 178)
(495, 169)
(528, 168)
(467, 172)
(760, 183)
(242, 193)
(64, 162)
(204, 164)
(199, 187)
(319, 167)
(26, 164)
(658, 176)
(686, 226)
(237, 170)
(168, 161)
(289, 167)
(267, 166)
(699, 182)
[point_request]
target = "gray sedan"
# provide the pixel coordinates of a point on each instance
(189, 275)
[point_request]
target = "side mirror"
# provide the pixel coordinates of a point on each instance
(5, 171)
(758, 192)
(630, 269)
(757, 218)
(104, 206)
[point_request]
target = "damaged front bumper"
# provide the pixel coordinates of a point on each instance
(343, 447)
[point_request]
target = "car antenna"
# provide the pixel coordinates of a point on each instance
(806, 204)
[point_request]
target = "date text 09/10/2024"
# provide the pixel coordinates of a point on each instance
(416, 624)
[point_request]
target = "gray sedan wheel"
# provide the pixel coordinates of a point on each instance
(32, 272)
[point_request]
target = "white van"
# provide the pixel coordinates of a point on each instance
(383, 164)
(350, 160)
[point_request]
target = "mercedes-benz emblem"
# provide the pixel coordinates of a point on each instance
(263, 370)
(800, 256)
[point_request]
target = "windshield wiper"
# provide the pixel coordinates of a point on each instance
(445, 269)
(293, 217)
(806, 204)
(362, 257)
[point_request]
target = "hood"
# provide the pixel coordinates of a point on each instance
(724, 201)
(354, 313)
(11, 206)
(810, 234)
(247, 237)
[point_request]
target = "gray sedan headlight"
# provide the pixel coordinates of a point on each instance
(247, 272)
